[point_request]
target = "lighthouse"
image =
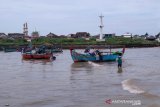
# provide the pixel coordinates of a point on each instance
(25, 29)
(101, 29)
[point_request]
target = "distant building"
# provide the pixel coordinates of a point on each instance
(158, 37)
(127, 35)
(151, 38)
(52, 35)
(3, 35)
(16, 35)
(28, 38)
(62, 36)
(109, 35)
(35, 34)
(95, 36)
(80, 35)
(136, 36)
(144, 36)
(71, 36)
(42, 36)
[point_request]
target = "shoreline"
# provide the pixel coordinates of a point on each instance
(106, 46)
(83, 46)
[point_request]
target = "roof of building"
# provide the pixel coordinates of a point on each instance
(35, 32)
(52, 34)
(2, 34)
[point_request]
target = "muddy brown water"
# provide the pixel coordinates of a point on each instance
(62, 83)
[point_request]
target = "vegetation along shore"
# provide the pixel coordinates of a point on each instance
(66, 43)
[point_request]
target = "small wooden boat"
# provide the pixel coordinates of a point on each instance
(10, 49)
(39, 54)
(36, 56)
(99, 57)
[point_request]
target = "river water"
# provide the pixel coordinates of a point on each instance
(62, 83)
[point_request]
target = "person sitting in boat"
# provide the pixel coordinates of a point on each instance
(41, 50)
(99, 54)
(97, 51)
(22, 50)
(28, 50)
(87, 50)
(92, 52)
(36, 49)
(44, 49)
(33, 51)
(97, 57)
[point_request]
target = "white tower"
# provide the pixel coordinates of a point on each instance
(25, 29)
(101, 27)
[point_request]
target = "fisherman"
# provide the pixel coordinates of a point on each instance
(92, 52)
(43, 49)
(119, 61)
(22, 50)
(36, 49)
(87, 50)
(99, 54)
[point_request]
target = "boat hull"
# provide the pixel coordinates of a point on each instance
(36, 56)
(10, 50)
(77, 57)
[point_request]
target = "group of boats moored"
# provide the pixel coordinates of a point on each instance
(89, 54)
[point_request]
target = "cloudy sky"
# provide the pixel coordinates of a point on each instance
(71, 16)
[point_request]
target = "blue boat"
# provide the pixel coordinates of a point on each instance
(97, 57)
(10, 49)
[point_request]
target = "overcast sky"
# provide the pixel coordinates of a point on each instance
(71, 16)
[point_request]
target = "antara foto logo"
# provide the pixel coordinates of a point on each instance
(109, 101)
